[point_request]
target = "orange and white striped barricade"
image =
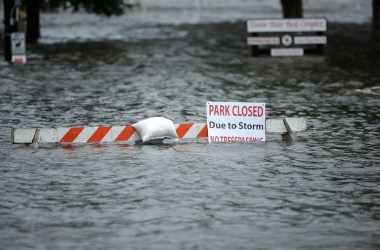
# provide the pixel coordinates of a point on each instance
(103, 134)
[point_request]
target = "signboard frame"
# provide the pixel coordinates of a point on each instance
(306, 34)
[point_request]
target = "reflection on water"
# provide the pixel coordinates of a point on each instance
(320, 192)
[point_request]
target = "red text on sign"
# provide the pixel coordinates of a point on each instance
(219, 110)
(256, 111)
(236, 110)
(214, 139)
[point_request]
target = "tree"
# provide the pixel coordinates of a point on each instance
(33, 20)
(292, 8)
(7, 5)
(375, 36)
(376, 23)
(108, 8)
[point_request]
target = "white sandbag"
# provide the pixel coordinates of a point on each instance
(155, 129)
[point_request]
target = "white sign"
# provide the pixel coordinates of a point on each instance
(235, 122)
(18, 59)
(263, 41)
(286, 52)
(287, 25)
(310, 40)
(18, 43)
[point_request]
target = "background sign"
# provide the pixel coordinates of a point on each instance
(235, 122)
(287, 25)
(287, 37)
(18, 43)
(18, 47)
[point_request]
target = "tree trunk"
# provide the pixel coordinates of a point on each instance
(8, 28)
(292, 8)
(376, 23)
(375, 36)
(33, 22)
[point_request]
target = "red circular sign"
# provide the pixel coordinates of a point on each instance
(286, 40)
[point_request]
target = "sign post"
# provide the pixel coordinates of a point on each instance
(235, 122)
(14, 31)
(18, 47)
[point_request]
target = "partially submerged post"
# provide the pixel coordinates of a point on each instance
(14, 31)
(290, 135)
(36, 138)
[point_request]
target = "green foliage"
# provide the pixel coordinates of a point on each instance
(104, 7)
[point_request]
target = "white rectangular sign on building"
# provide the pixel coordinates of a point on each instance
(235, 122)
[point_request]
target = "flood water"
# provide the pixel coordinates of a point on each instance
(320, 192)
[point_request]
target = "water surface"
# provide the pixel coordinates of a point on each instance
(319, 192)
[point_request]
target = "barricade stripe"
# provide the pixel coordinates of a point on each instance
(113, 133)
(71, 135)
(183, 129)
(85, 134)
(203, 133)
(99, 134)
(127, 133)
(193, 131)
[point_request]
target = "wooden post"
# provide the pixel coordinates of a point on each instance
(292, 8)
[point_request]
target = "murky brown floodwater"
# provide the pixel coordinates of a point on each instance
(321, 192)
